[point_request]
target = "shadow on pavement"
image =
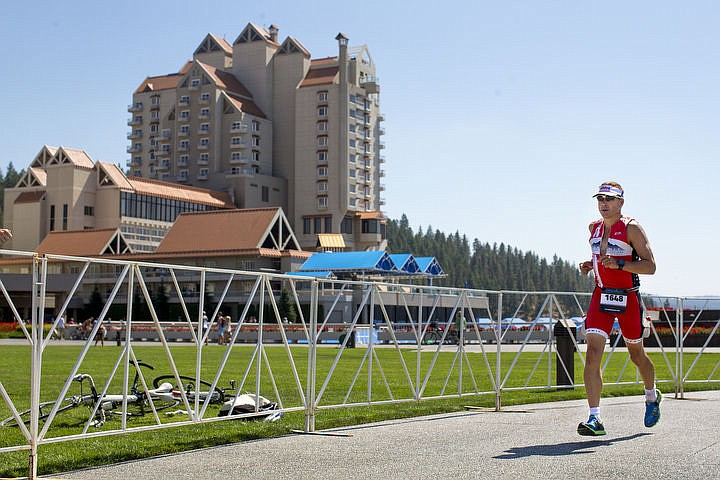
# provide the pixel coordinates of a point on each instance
(561, 449)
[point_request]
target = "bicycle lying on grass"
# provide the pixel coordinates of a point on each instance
(165, 394)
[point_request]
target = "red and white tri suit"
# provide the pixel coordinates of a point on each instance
(619, 247)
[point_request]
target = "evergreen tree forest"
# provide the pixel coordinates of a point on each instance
(484, 266)
(8, 180)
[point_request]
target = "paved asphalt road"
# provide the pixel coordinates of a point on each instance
(534, 441)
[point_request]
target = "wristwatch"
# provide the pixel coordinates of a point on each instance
(621, 264)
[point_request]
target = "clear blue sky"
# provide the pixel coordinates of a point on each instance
(501, 117)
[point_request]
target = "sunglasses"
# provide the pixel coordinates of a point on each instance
(605, 198)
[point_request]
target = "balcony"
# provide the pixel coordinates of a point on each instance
(203, 131)
(184, 102)
(203, 146)
(164, 151)
(202, 176)
(244, 158)
(380, 117)
(381, 131)
(238, 144)
(183, 133)
(166, 133)
(134, 162)
(370, 84)
(182, 148)
(382, 187)
(381, 158)
(135, 107)
(135, 121)
(134, 134)
(382, 173)
(244, 171)
(134, 148)
(381, 145)
(239, 128)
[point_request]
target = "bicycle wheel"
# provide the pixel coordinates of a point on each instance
(45, 408)
(217, 395)
(432, 337)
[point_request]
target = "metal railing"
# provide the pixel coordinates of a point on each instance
(417, 342)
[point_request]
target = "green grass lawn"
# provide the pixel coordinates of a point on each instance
(530, 369)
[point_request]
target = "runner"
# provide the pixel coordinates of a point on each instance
(620, 251)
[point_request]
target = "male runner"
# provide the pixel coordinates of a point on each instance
(620, 251)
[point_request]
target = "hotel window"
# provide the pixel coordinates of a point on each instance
(322, 202)
(183, 174)
(322, 156)
(346, 226)
(65, 216)
(255, 126)
(351, 127)
(352, 158)
(322, 187)
(352, 113)
(352, 202)
(256, 156)
(154, 115)
(328, 221)
(351, 172)
(204, 127)
(195, 82)
(322, 96)
(255, 141)
(184, 144)
(317, 224)
(204, 112)
(52, 217)
(307, 226)
(153, 128)
(204, 158)
(235, 156)
(236, 141)
(352, 143)
(322, 171)
(322, 126)
(205, 97)
(352, 188)
(322, 112)
(185, 100)
(184, 129)
(185, 114)
(236, 126)
(183, 160)
(203, 173)
(322, 141)
(89, 211)
(204, 142)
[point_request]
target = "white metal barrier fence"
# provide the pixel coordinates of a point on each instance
(350, 344)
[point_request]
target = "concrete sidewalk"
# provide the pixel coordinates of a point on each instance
(533, 441)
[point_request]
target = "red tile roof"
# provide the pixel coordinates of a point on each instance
(218, 231)
(30, 197)
(320, 76)
(157, 188)
(77, 243)
(163, 82)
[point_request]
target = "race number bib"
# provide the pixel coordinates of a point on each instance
(613, 301)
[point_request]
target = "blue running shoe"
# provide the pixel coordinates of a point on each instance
(652, 410)
(592, 428)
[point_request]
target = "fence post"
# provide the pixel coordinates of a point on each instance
(39, 275)
(498, 371)
(679, 351)
(312, 357)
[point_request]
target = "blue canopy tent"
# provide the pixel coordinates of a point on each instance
(429, 265)
(370, 262)
(321, 274)
(405, 263)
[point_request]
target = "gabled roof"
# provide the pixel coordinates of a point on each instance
(158, 188)
(230, 230)
(226, 80)
(33, 177)
(360, 262)
(110, 174)
(163, 82)
(429, 265)
(65, 155)
(291, 45)
(254, 33)
(244, 105)
(84, 243)
(44, 156)
(213, 43)
(405, 263)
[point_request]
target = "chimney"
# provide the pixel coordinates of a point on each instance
(273, 33)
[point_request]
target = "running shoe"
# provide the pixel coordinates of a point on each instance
(652, 410)
(592, 428)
